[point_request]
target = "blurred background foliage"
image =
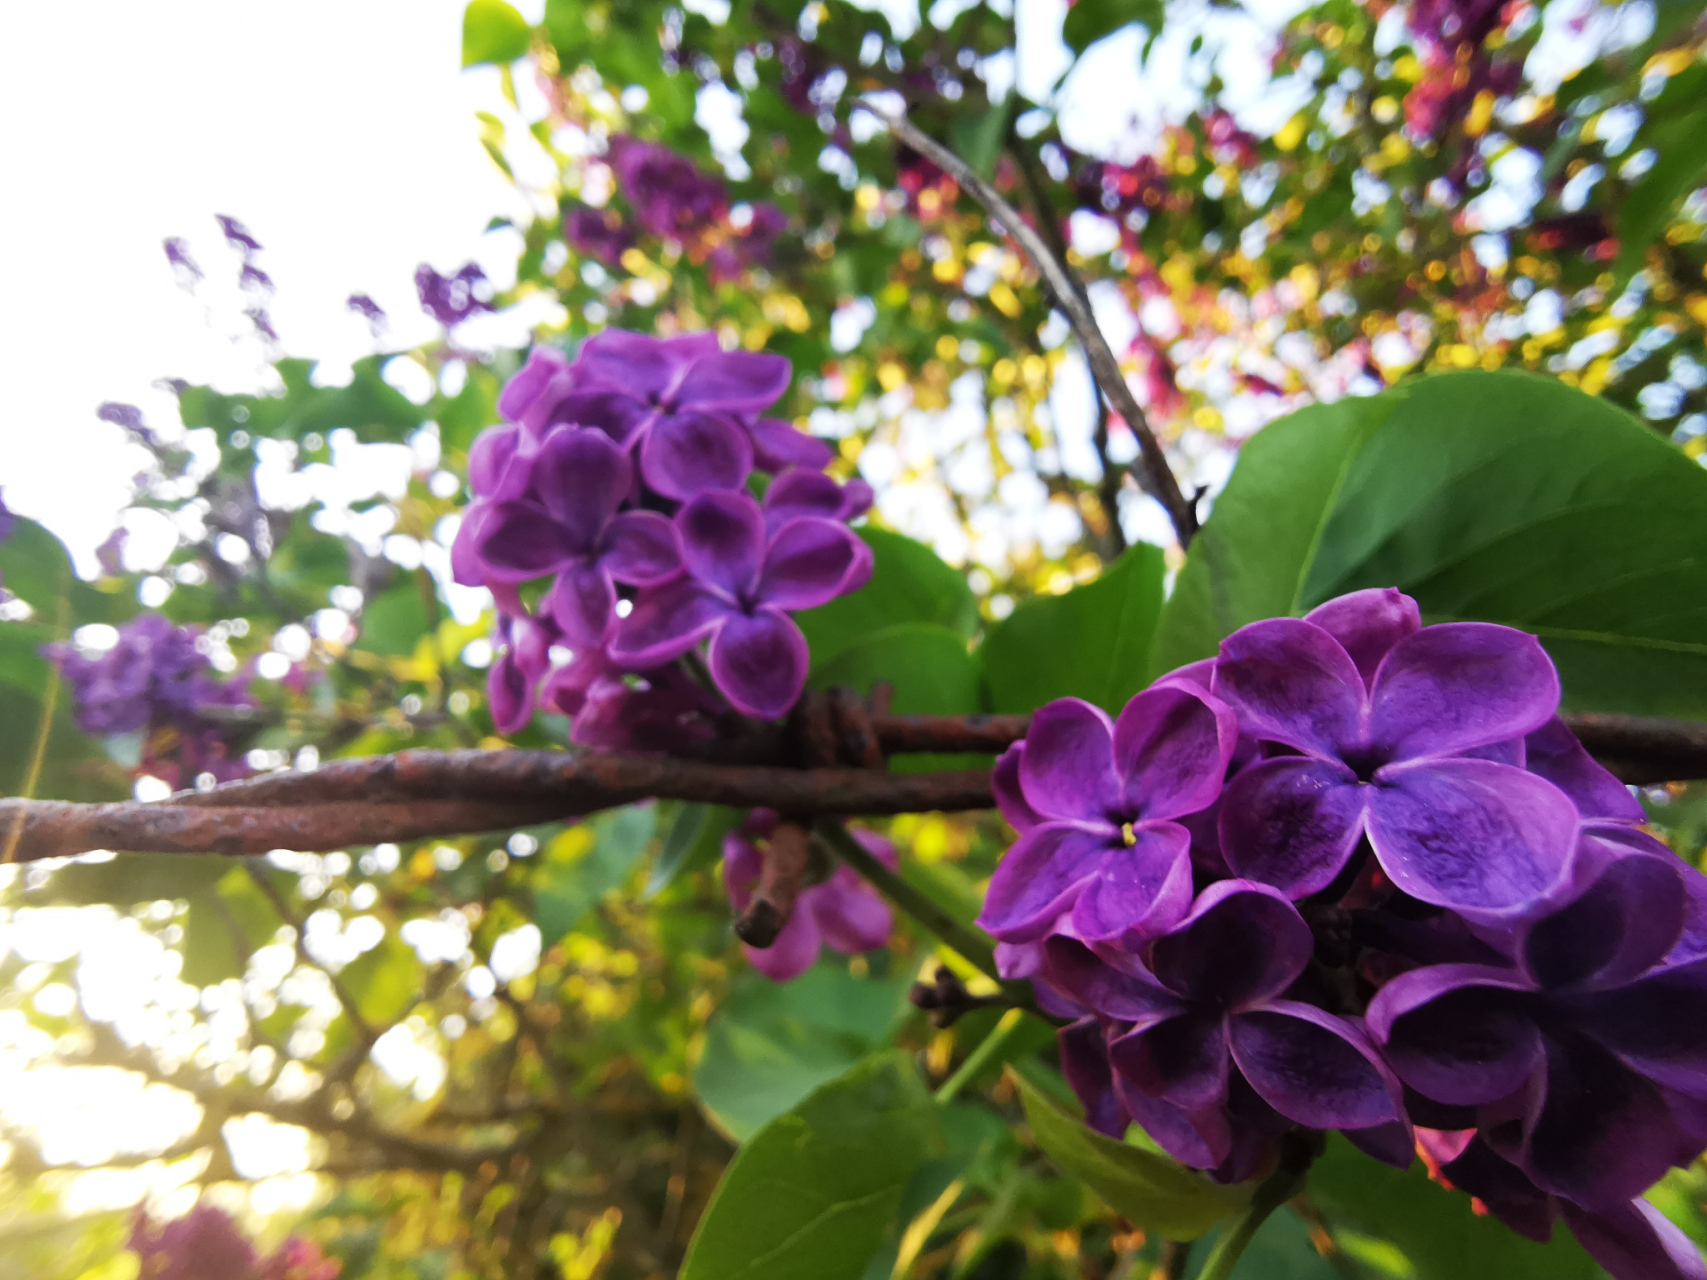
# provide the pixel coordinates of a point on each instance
(533, 1053)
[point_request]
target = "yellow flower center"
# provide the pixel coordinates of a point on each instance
(1128, 834)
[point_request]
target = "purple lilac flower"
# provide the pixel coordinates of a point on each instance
(364, 306)
(599, 234)
(1099, 799)
(130, 418)
(738, 590)
(809, 492)
(237, 235)
(668, 193)
(842, 912)
(569, 528)
(204, 1244)
(751, 246)
(1632, 1240)
(523, 658)
(1585, 1057)
(452, 299)
(183, 266)
(1391, 725)
(8, 520)
(613, 709)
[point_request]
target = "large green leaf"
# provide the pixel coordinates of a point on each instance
(1091, 643)
(1680, 166)
(1147, 1187)
(695, 841)
(36, 568)
(493, 31)
(909, 583)
(1436, 1229)
(586, 862)
(1503, 497)
(770, 1044)
(385, 982)
(131, 878)
(812, 1194)
(930, 670)
(1090, 20)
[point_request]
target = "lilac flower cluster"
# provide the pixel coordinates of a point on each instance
(205, 1244)
(613, 522)
(1355, 874)
(156, 682)
(673, 200)
(842, 911)
(448, 299)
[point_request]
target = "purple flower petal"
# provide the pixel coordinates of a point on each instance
(1040, 877)
(1180, 1060)
(807, 563)
(518, 541)
(1460, 685)
(1172, 746)
(497, 464)
(617, 414)
(532, 382)
(1393, 1143)
(1084, 1062)
(466, 566)
(666, 622)
(851, 916)
(1290, 681)
(723, 541)
(1292, 822)
(1090, 981)
(1657, 1024)
(581, 477)
(1457, 1033)
(1635, 1241)
(1554, 752)
(686, 453)
(1367, 624)
(1197, 675)
(1010, 799)
(1242, 944)
(1143, 891)
(1313, 1068)
(583, 603)
(641, 549)
(794, 951)
(509, 694)
(1068, 767)
(1472, 1166)
(1199, 1140)
(779, 445)
(735, 381)
(1625, 917)
(1469, 834)
(759, 662)
(637, 364)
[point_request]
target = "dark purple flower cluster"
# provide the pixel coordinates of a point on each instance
(842, 911)
(613, 521)
(205, 1244)
(452, 299)
(1450, 37)
(156, 682)
(673, 200)
(1355, 874)
(8, 521)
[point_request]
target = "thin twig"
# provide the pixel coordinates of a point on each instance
(1158, 478)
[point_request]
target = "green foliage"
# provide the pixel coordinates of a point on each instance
(586, 862)
(811, 1195)
(36, 568)
(493, 31)
(384, 982)
(1093, 642)
(770, 1044)
(695, 841)
(1090, 20)
(1145, 1186)
(1500, 497)
(909, 584)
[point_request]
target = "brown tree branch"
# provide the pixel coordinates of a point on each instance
(1157, 477)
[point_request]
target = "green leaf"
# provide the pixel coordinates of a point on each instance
(36, 568)
(909, 583)
(585, 862)
(930, 670)
(978, 139)
(812, 1194)
(695, 841)
(770, 1044)
(393, 622)
(1090, 20)
(493, 31)
(1436, 1229)
(1680, 167)
(211, 953)
(1147, 1187)
(385, 982)
(1502, 497)
(1091, 643)
(131, 878)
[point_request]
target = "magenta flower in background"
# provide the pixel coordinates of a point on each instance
(452, 299)
(669, 195)
(599, 234)
(1105, 847)
(614, 709)
(1387, 721)
(569, 527)
(204, 1244)
(737, 593)
(1585, 1056)
(843, 912)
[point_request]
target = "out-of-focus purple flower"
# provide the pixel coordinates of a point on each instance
(568, 527)
(1553, 752)
(1633, 1240)
(523, 658)
(668, 193)
(299, 1259)
(843, 911)
(110, 554)
(1105, 847)
(367, 308)
(1385, 720)
(254, 279)
(779, 445)
(204, 1244)
(801, 492)
(1585, 1056)
(8, 520)
(750, 246)
(237, 235)
(803, 66)
(737, 594)
(263, 323)
(154, 679)
(129, 417)
(1117, 189)
(1205, 1045)
(613, 709)
(452, 299)
(599, 234)
(184, 266)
